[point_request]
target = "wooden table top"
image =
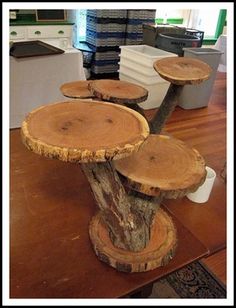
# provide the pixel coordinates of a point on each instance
(51, 253)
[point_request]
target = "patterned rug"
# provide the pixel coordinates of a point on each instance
(192, 281)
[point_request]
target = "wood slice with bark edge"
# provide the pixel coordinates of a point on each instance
(117, 91)
(76, 89)
(159, 251)
(182, 70)
(163, 166)
(78, 131)
(179, 71)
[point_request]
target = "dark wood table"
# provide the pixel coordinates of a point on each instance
(51, 255)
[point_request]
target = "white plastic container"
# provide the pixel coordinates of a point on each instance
(145, 69)
(144, 54)
(156, 90)
(129, 69)
(198, 96)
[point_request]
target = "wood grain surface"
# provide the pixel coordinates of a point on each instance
(78, 131)
(76, 89)
(118, 91)
(159, 251)
(182, 70)
(163, 166)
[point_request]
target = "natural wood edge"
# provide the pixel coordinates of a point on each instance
(74, 155)
(174, 76)
(117, 100)
(157, 191)
(183, 81)
(78, 96)
(129, 261)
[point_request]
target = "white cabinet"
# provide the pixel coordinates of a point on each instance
(56, 35)
(17, 33)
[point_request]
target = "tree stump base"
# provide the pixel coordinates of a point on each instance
(159, 251)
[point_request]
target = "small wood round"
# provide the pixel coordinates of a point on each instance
(118, 91)
(76, 89)
(78, 131)
(182, 70)
(163, 166)
(158, 252)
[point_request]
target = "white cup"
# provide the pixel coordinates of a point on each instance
(202, 194)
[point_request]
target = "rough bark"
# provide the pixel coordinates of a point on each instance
(166, 108)
(128, 218)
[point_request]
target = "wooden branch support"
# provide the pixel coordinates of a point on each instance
(128, 218)
(166, 108)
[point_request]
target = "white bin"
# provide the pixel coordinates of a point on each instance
(136, 66)
(156, 90)
(129, 69)
(197, 96)
(144, 54)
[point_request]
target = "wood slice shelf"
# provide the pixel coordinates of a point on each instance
(182, 70)
(159, 251)
(179, 71)
(163, 166)
(76, 89)
(117, 91)
(78, 131)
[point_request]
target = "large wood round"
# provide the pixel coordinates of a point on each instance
(78, 131)
(163, 166)
(182, 70)
(76, 89)
(118, 91)
(158, 252)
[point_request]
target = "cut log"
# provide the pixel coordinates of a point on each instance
(78, 131)
(163, 166)
(159, 251)
(117, 91)
(182, 70)
(128, 218)
(76, 89)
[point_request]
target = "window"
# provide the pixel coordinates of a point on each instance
(211, 23)
(81, 25)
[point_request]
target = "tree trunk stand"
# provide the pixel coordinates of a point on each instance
(129, 232)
